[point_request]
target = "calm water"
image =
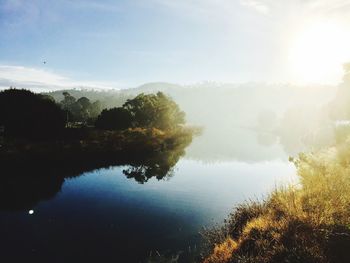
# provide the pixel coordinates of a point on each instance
(103, 216)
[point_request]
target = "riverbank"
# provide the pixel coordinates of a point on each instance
(308, 222)
(86, 149)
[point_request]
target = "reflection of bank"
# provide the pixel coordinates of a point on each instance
(2, 134)
(28, 177)
(23, 193)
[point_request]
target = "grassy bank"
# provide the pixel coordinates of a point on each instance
(304, 223)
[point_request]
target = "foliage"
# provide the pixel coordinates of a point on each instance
(222, 252)
(114, 119)
(25, 114)
(158, 111)
(145, 111)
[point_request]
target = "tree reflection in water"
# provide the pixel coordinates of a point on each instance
(25, 183)
(159, 166)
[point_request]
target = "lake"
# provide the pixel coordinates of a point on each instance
(104, 216)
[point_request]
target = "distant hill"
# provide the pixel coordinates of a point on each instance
(223, 109)
(205, 104)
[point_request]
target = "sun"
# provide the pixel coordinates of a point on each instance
(318, 52)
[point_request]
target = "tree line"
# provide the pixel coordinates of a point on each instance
(26, 114)
(80, 110)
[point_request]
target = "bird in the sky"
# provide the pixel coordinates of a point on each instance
(44, 62)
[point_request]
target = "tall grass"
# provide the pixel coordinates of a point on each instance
(305, 223)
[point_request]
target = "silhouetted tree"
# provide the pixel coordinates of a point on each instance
(114, 119)
(30, 115)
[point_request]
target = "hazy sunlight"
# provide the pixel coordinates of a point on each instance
(318, 52)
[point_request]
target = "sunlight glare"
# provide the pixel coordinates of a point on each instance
(318, 53)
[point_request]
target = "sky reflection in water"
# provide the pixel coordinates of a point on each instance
(103, 215)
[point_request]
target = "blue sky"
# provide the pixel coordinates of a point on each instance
(126, 43)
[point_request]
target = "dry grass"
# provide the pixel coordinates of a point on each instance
(308, 223)
(222, 252)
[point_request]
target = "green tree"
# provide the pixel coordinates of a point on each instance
(144, 111)
(158, 111)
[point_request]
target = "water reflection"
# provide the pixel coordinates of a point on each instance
(30, 181)
(236, 144)
(25, 184)
(159, 165)
(254, 144)
(97, 215)
(22, 192)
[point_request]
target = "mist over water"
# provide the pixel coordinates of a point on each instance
(236, 118)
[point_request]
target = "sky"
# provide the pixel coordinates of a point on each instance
(125, 43)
